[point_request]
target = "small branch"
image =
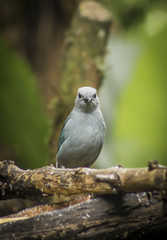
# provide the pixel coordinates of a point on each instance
(47, 181)
(41, 209)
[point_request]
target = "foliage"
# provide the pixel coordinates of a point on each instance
(140, 128)
(23, 125)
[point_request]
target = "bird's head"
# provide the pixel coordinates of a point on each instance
(86, 99)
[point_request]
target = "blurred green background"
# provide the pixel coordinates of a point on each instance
(23, 123)
(133, 94)
(136, 87)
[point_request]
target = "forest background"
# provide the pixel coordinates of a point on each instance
(39, 77)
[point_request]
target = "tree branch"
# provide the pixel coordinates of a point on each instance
(129, 216)
(47, 181)
(119, 215)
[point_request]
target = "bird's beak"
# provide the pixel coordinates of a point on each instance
(87, 99)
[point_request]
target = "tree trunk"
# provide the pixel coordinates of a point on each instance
(82, 61)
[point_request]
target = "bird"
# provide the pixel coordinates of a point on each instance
(82, 135)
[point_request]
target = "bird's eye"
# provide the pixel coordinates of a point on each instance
(94, 95)
(79, 95)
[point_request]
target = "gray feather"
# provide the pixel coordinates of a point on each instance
(82, 135)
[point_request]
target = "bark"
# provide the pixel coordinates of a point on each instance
(47, 181)
(117, 207)
(129, 216)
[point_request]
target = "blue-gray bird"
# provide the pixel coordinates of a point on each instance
(82, 135)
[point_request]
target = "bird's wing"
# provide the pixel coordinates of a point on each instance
(62, 134)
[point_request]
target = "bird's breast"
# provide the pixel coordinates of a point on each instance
(86, 135)
(84, 140)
